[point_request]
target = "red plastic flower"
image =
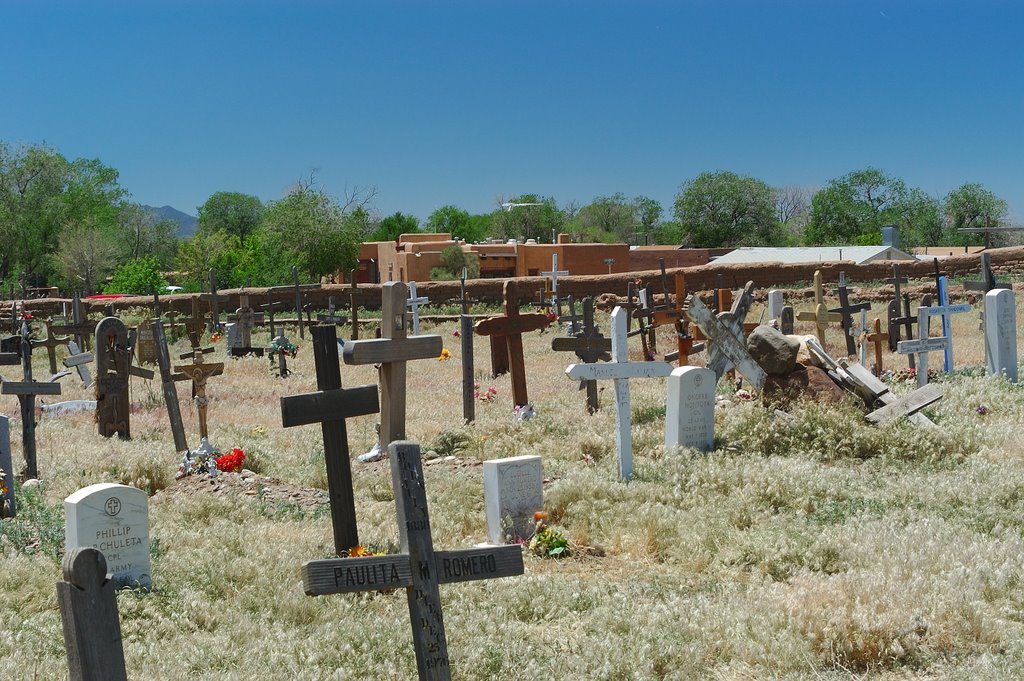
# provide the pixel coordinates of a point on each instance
(26, 316)
(231, 462)
(456, 333)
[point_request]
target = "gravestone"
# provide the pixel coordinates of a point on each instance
(114, 519)
(513, 491)
(775, 304)
(144, 345)
(112, 366)
(690, 414)
(234, 338)
(7, 506)
(1001, 333)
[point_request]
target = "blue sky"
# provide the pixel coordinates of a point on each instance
(462, 102)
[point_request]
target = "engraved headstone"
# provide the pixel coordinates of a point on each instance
(513, 491)
(234, 337)
(1001, 333)
(144, 344)
(690, 414)
(775, 304)
(113, 519)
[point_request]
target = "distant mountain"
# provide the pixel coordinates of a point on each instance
(186, 222)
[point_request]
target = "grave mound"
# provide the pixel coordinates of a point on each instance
(249, 485)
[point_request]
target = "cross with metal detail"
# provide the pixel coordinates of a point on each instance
(590, 346)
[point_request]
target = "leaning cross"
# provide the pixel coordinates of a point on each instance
(846, 310)
(413, 303)
(167, 380)
(988, 280)
(80, 327)
(79, 361)
(26, 390)
(506, 334)
(268, 311)
(724, 332)
(590, 346)
(330, 407)
(392, 351)
(419, 569)
(619, 371)
(820, 316)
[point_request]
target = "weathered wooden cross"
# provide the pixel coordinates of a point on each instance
(506, 334)
(81, 327)
(877, 338)
(924, 345)
(846, 310)
(724, 331)
(894, 309)
(194, 325)
(590, 345)
(466, 338)
(214, 299)
(572, 318)
(199, 372)
(51, 342)
(821, 315)
(298, 289)
(170, 392)
(391, 352)
(332, 317)
(413, 303)
(113, 367)
(26, 390)
(988, 280)
(330, 406)
(419, 569)
(79, 361)
(268, 311)
(684, 341)
(619, 371)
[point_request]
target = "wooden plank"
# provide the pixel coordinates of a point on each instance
(572, 343)
(385, 350)
(348, 575)
(468, 378)
(329, 405)
(8, 358)
(521, 323)
(906, 405)
(734, 349)
(33, 388)
(88, 609)
(922, 345)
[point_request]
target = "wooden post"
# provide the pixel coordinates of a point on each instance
(26, 391)
(50, 343)
(511, 327)
(466, 337)
(353, 304)
(392, 351)
(167, 380)
(877, 338)
(590, 346)
(419, 569)
(846, 310)
(214, 299)
(330, 407)
(88, 610)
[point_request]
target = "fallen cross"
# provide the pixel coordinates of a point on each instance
(419, 569)
(725, 336)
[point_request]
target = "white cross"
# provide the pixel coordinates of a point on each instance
(554, 274)
(413, 303)
(922, 346)
(620, 370)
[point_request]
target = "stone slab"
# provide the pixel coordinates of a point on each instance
(513, 492)
(113, 519)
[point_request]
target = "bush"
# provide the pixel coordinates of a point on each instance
(141, 276)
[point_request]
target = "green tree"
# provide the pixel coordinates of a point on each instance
(231, 212)
(140, 276)
(453, 259)
(528, 217)
(459, 223)
(395, 225)
(138, 233)
(200, 253)
(972, 205)
(919, 219)
(725, 209)
(853, 209)
(606, 219)
(85, 256)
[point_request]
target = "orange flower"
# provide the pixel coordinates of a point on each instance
(445, 355)
(540, 516)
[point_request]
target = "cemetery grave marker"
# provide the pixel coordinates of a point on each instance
(925, 345)
(391, 352)
(330, 406)
(268, 311)
(644, 315)
(144, 346)
(170, 392)
(26, 390)
(413, 303)
(279, 347)
(846, 310)
(775, 304)
(725, 334)
(513, 492)
(877, 338)
(506, 334)
(690, 410)
(113, 362)
(332, 317)
(245, 320)
(820, 316)
(214, 299)
(113, 519)
(555, 300)
(907, 405)
(573, 318)
(862, 382)
(786, 320)
(945, 311)
(8, 507)
(590, 346)
(894, 309)
(988, 280)
(1001, 334)
(619, 371)
(79, 361)
(684, 340)
(50, 343)
(298, 289)
(419, 569)
(88, 610)
(466, 339)
(81, 328)
(199, 372)
(353, 306)
(194, 325)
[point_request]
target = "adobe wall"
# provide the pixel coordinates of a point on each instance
(1005, 261)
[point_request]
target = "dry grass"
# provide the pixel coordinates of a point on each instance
(824, 549)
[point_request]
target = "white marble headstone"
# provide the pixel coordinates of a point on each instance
(234, 336)
(690, 414)
(115, 520)
(1001, 333)
(7, 467)
(775, 304)
(513, 492)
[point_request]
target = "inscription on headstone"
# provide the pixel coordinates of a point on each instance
(690, 414)
(513, 491)
(1001, 333)
(113, 519)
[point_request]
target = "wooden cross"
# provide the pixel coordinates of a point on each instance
(724, 332)
(214, 299)
(268, 310)
(391, 352)
(199, 372)
(906, 319)
(553, 276)
(170, 392)
(877, 338)
(413, 303)
(81, 327)
(644, 314)
(619, 371)
(329, 407)
(846, 310)
(298, 289)
(906, 406)
(506, 334)
(466, 339)
(50, 343)
(922, 346)
(195, 324)
(281, 343)
(590, 345)
(820, 316)
(419, 569)
(684, 341)
(572, 318)
(331, 317)
(988, 278)
(894, 307)
(79, 361)
(26, 390)
(113, 365)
